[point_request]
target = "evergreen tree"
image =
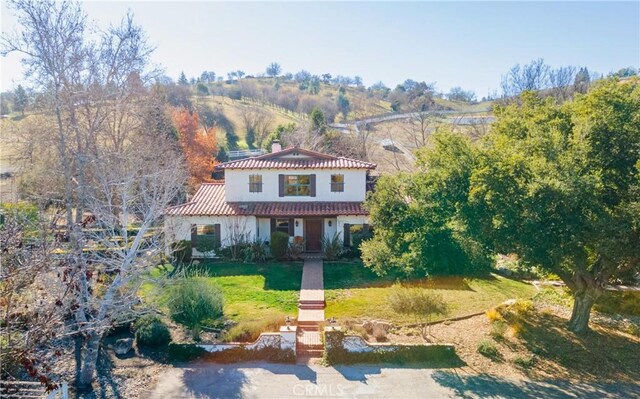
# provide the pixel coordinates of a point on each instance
(250, 138)
(582, 80)
(318, 121)
(343, 105)
(182, 80)
(20, 99)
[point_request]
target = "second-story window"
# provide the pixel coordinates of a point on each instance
(255, 183)
(337, 183)
(297, 185)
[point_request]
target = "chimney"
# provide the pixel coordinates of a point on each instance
(275, 146)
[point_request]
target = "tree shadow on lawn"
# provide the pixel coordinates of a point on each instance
(278, 276)
(356, 275)
(597, 354)
(487, 386)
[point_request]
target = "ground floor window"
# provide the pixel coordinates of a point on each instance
(205, 237)
(354, 234)
(282, 225)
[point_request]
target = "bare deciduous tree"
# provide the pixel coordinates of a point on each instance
(420, 124)
(257, 123)
(95, 95)
(561, 81)
(30, 299)
(533, 76)
(133, 188)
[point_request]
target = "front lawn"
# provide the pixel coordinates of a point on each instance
(354, 292)
(251, 291)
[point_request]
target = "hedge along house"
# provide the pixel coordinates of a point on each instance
(305, 194)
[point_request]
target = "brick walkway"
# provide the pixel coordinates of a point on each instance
(311, 303)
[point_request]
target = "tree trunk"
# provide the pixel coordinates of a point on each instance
(582, 304)
(89, 361)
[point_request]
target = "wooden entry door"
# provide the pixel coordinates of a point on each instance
(313, 234)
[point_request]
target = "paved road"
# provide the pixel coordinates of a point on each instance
(263, 380)
(462, 119)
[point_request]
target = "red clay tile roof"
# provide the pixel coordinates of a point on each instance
(314, 160)
(209, 200)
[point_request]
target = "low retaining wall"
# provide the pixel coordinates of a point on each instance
(357, 344)
(265, 340)
(342, 348)
(284, 340)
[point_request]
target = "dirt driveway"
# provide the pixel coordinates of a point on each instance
(284, 381)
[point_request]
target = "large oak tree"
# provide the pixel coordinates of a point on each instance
(558, 185)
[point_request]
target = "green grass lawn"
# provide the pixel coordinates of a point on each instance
(354, 292)
(251, 291)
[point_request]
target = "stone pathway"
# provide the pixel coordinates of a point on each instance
(311, 303)
(310, 310)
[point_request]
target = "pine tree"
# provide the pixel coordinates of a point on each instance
(20, 100)
(182, 80)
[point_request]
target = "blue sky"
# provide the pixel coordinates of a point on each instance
(468, 44)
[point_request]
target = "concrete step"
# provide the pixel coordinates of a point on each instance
(311, 305)
(309, 338)
(312, 302)
(310, 315)
(310, 352)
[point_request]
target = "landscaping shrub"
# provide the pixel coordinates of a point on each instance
(434, 355)
(190, 352)
(242, 354)
(295, 249)
(493, 315)
(525, 362)
(151, 331)
(181, 251)
(237, 247)
(614, 302)
(516, 328)
(249, 331)
(633, 329)
(193, 300)
(358, 235)
(206, 243)
(488, 349)
(185, 352)
(553, 296)
(332, 247)
(379, 333)
(255, 251)
(510, 266)
(498, 328)
(419, 302)
(522, 307)
(279, 245)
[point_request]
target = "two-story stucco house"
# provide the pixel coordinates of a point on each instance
(299, 192)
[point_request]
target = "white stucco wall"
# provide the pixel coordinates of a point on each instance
(329, 231)
(298, 231)
(264, 229)
(237, 185)
(178, 228)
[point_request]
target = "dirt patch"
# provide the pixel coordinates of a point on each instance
(540, 347)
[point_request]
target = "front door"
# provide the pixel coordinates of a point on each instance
(313, 234)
